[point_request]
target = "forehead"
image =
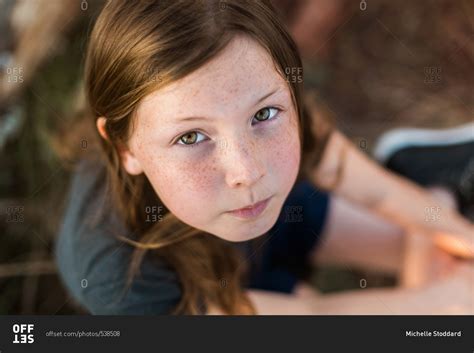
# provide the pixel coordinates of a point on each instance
(236, 77)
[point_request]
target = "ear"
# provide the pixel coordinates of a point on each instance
(130, 163)
(100, 123)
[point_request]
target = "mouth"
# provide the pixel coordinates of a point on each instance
(251, 211)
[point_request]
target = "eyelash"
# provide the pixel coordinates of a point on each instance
(192, 145)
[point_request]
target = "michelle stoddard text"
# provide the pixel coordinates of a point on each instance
(433, 333)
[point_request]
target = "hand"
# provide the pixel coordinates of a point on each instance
(424, 262)
(452, 295)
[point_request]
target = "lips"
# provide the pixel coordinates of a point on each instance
(251, 211)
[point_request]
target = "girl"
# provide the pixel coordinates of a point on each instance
(211, 161)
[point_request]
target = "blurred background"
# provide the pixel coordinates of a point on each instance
(374, 65)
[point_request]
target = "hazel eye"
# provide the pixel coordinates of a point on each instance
(190, 138)
(267, 113)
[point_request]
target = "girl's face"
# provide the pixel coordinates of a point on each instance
(222, 138)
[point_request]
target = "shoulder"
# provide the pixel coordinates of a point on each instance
(93, 263)
(155, 290)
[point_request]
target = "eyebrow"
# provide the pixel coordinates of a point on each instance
(196, 118)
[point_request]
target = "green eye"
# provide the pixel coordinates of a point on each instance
(262, 114)
(189, 138)
(267, 113)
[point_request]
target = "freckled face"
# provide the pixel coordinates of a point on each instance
(240, 145)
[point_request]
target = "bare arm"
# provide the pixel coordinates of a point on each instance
(371, 301)
(397, 199)
(274, 303)
(357, 238)
(385, 301)
(449, 295)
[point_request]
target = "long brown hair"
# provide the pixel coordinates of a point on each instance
(137, 47)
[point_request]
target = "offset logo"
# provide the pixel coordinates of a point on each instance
(23, 333)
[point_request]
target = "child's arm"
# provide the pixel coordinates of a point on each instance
(450, 295)
(395, 198)
(356, 238)
(272, 303)
(357, 302)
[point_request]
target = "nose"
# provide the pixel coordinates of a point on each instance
(244, 163)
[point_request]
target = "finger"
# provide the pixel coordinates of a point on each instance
(455, 245)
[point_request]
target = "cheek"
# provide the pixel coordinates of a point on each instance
(185, 187)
